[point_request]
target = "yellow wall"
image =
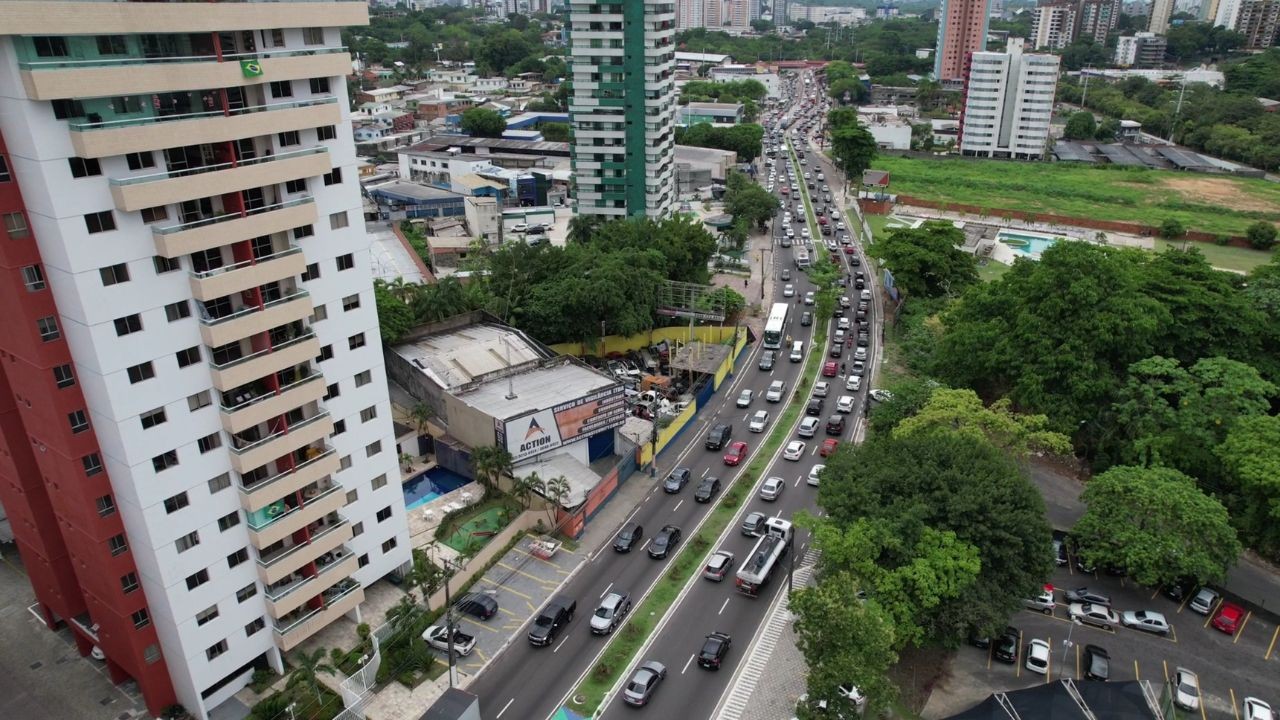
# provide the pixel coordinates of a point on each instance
(617, 343)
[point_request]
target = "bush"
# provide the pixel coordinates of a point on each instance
(1262, 235)
(262, 679)
(1223, 240)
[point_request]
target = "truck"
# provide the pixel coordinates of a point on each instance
(766, 557)
(437, 636)
(802, 258)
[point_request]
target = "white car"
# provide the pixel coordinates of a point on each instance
(845, 403)
(1186, 689)
(1255, 709)
(520, 227)
(814, 472)
(820, 388)
(808, 426)
(745, 397)
(860, 354)
(843, 323)
(793, 451)
(774, 393)
(853, 384)
(759, 421)
(1038, 657)
(881, 395)
(804, 232)
(1152, 622)
(788, 290)
(1093, 614)
(1042, 602)
(772, 488)
(835, 214)
(437, 636)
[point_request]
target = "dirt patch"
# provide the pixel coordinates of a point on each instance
(1218, 191)
(916, 673)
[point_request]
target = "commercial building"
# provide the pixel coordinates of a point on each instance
(1097, 19)
(623, 106)
(962, 29)
(1258, 21)
(890, 130)
(733, 73)
(1008, 101)
(714, 113)
(690, 14)
(196, 444)
(1140, 50)
(1053, 24)
(1158, 22)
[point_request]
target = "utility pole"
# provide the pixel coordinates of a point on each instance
(1178, 111)
(448, 621)
(1085, 94)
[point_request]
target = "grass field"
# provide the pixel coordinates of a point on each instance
(1210, 203)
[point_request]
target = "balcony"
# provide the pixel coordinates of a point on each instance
(266, 529)
(119, 137)
(280, 564)
(243, 370)
(293, 596)
(264, 492)
(251, 319)
(163, 188)
(250, 410)
(228, 279)
(292, 631)
(247, 457)
(96, 17)
(207, 233)
(64, 78)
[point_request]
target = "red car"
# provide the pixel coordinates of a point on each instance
(822, 220)
(829, 368)
(828, 447)
(737, 451)
(1228, 618)
(848, 250)
(786, 191)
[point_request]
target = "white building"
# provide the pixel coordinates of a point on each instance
(1053, 25)
(1158, 22)
(1142, 49)
(623, 107)
(1008, 103)
(887, 126)
(730, 73)
(199, 275)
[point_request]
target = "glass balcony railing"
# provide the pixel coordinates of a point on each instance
(263, 353)
(66, 63)
(277, 511)
(233, 112)
(240, 447)
(223, 270)
(284, 553)
(311, 376)
(226, 217)
(187, 172)
(299, 617)
(250, 309)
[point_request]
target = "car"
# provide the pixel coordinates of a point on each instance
(842, 323)
(1178, 590)
(809, 298)
(1204, 601)
(836, 350)
(767, 359)
(1006, 646)
(788, 290)
(520, 227)
(664, 542)
(706, 490)
(1097, 663)
(719, 436)
(845, 302)
(1085, 595)
(860, 354)
(478, 605)
(865, 295)
(1038, 657)
(820, 388)
(719, 565)
(737, 451)
(774, 393)
(772, 488)
(676, 480)
(1186, 689)
(554, 616)
(853, 383)
(1228, 618)
(1255, 709)
(858, 368)
(849, 703)
(628, 536)
(815, 473)
(612, 611)
(830, 368)
(714, 649)
(793, 451)
(845, 403)
(753, 525)
(1060, 553)
(786, 272)
(437, 636)
(828, 447)
(814, 407)
(1090, 614)
(1146, 620)
(744, 398)
(835, 425)
(1042, 602)
(881, 395)
(806, 319)
(644, 683)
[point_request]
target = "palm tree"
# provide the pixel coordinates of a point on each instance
(555, 490)
(308, 669)
(523, 488)
(489, 463)
(421, 416)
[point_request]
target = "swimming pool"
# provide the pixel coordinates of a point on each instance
(429, 485)
(1028, 244)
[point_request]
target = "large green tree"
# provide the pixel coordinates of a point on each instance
(747, 200)
(853, 148)
(483, 122)
(1080, 126)
(1156, 524)
(927, 261)
(962, 412)
(1251, 461)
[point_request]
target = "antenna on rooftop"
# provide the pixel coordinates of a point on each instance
(511, 388)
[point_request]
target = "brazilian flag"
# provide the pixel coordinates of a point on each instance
(251, 68)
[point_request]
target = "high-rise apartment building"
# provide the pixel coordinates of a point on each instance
(1097, 19)
(962, 29)
(1008, 101)
(691, 14)
(1158, 22)
(1258, 21)
(1228, 13)
(623, 107)
(196, 446)
(1208, 10)
(1053, 24)
(1140, 50)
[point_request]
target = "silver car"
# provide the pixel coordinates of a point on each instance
(1152, 622)
(808, 426)
(643, 683)
(744, 398)
(774, 394)
(1096, 615)
(772, 488)
(612, 611)
(759, 421)
(1186, 689)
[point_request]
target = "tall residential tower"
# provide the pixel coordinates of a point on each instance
(195, 435)
(1008, 101)
(623, 106)
(962, 29)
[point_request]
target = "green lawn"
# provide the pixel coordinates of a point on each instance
(1224, 256)
(1211, 203)
(992, 270)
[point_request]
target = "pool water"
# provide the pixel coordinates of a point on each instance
(429, 485)
(1029, 244)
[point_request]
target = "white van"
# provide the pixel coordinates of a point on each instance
(797, 351)
(802, 258)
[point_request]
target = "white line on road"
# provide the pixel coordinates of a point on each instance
(677, 507)
(687, 663)
(606, 590)
(722, 607)
(560, 645)
(798, 481)
(646, 544)
(504, 708)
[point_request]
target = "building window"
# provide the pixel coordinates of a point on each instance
(246, 592)
(50, 46)
(100, 222)
(114, 275)
(357, 530)
(220, 483)
(373, 448)
(305, 231)
(312, 36)
(33, 278)
(320, 86)
(355, 341)
(254, 626)
(129, 583)
(201, 399)
(15, 225)
(237, 557)
(111, 45)
(353, 495)
(164, 461)
(48, 327)
(344, 463)
(384, 513)
(188, 541)
(140, 372)
(337, 220)
(319, 314)
(106, 506)
(92, 464)
(295, 186)
(209, 442)
(117, 544)
(282, 88)
(197, 579)
(339, 427)
(345, 262)
(190, 356)
(140, 619)
(326, 132)
(312, 273)
(177, 311)
(363, 560)
(82, 167)
(334, 177)
(215, 650)
(289, 138)
(152, 418)
(350, 302)
(5, 176)
(140, 160)
(326, 353)
(63, 376)
(165, 265)
(67, 109)
(332, 391)
(388, 546)
(155, 214)
(128, 324)
(364, 378)
(79, 421)
(369, 413)
(176, 503)
(228, 521)
(380, 481)
(206, 615)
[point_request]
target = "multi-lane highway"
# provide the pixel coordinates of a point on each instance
(529, 682)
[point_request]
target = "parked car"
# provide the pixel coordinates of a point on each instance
(814, 475)
(554, 616)
(1228, 618)
(644, 683)
(772, 488)
(715, 647)
(664, 542)
(437, 636)
(1097, 663)
(1186, 689)
(1042, 602)
(676, 481)
(1038, 657)
(1204, 601)
(1090, 614)
(744, 398)
(1060, 553)
(706, 490)
(1255, 709)
(759, 421)
(793, 451)
(1152, 622)
(1179, 590)
(719, 565)
(628, 536)
(1085, 595)
(737, 451)
(1006, 649)
(477, 605)
(611, 612)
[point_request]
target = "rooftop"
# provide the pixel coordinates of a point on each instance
(714, 58)
(687, 153)
(524, 147)
(454, 358)
(535, 389)
(715, 107)
(414, 191)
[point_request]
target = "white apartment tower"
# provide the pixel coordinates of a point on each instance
(623, 107)
(196, 437)
(1008, 103)
(1158, 22)
(1053, 25)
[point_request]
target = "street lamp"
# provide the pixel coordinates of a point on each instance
(448, 620)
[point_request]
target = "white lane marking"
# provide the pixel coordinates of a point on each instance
(687, 663)
(798, 481)
(704, 472)
(606, 590)
(677, 507)
(722, 607)
(646, 544)
(560, 645)
(504, 708)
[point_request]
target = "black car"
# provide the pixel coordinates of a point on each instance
(477, 605)
(1007, 645)
(714, 649)
(806, 319)
(557, 613)
(979, 640)
(630, 534)
(766, 359)
(678, 478)
(719, 436)
(1179, 590)
(1097, 663)
(706, 490)
(1085, 595)
(854, 261)
(814, 407)
(664, 542)
(753, 525)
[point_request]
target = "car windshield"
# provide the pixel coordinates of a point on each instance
(625, 535)
(1186, 687)
(711, 647)
(660, 540)
(604, 611)
(543, 621)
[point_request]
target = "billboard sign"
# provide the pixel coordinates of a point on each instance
(541, 430)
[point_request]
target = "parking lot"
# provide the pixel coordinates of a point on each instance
(1230, 667)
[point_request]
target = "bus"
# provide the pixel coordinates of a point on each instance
(776, 327)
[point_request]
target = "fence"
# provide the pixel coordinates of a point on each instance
(620, 343)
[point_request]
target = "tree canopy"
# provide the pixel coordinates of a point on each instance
(927, 260)
(1080, 126)
(746, 139)
(747, 200)
(1251, 489)
(483, 122)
